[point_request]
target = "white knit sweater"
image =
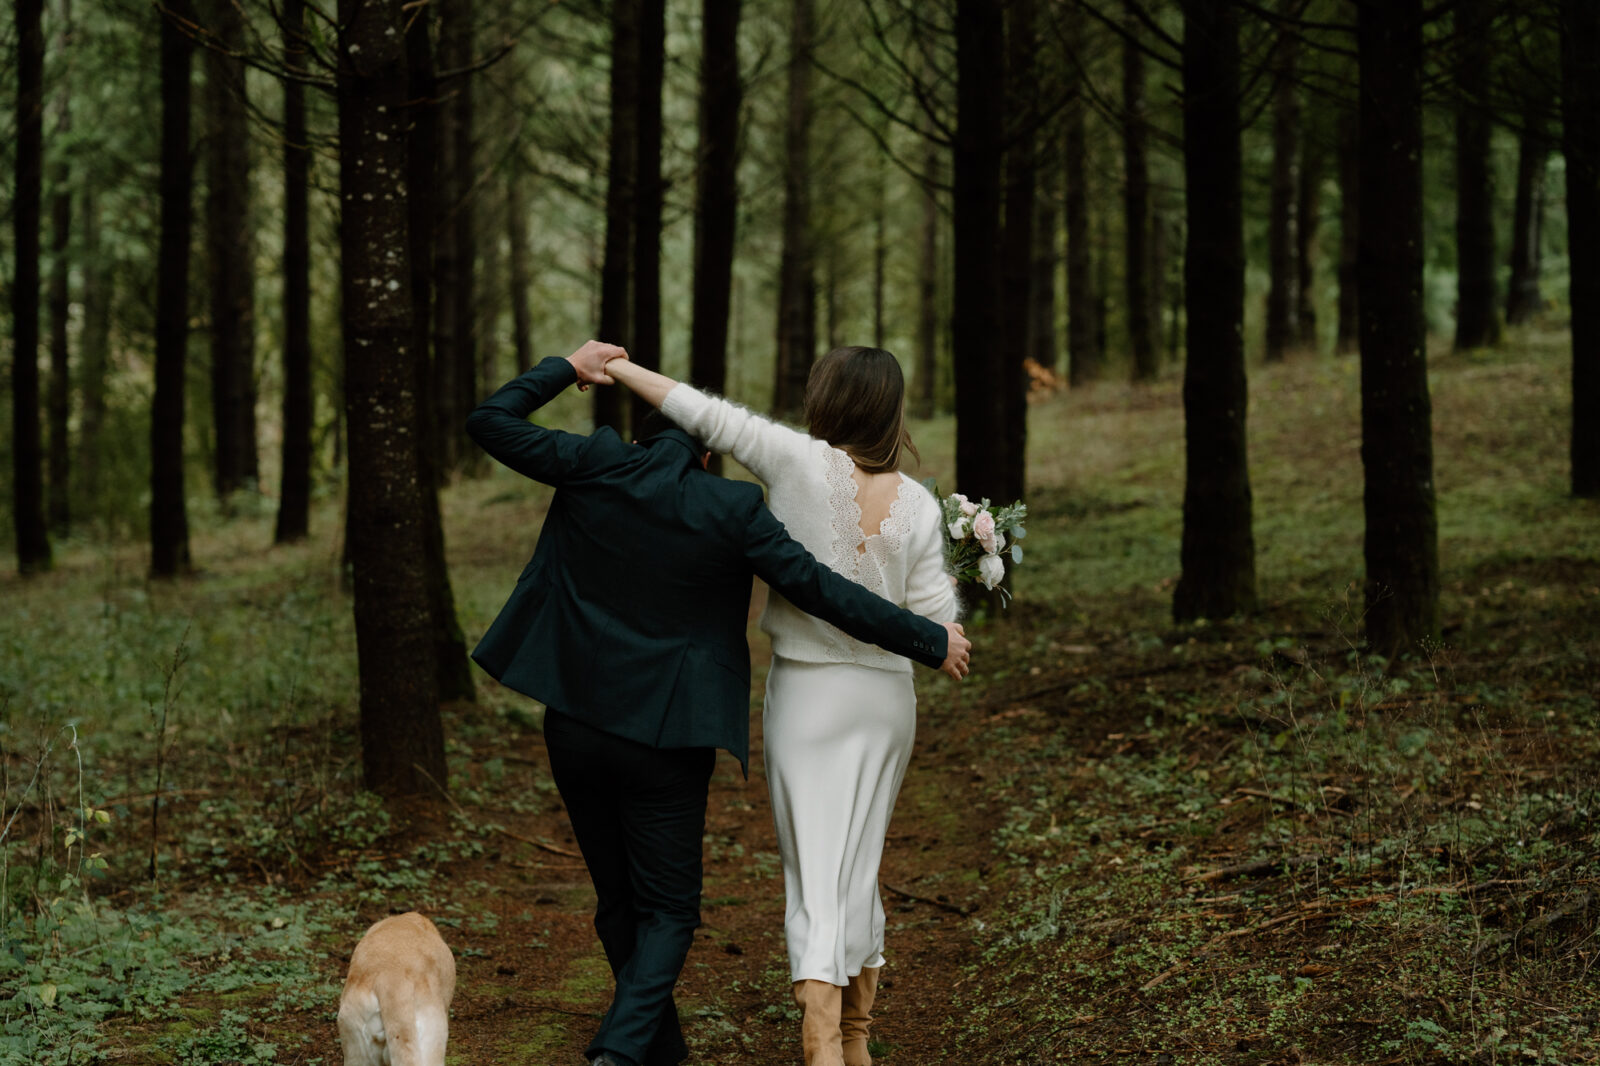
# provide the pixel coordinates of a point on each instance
(811, 492)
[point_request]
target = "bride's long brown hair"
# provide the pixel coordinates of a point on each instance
(856, 401)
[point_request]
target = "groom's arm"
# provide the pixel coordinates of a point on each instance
(500, 424)
(783, 562)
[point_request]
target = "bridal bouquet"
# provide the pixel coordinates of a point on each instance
(980, 536)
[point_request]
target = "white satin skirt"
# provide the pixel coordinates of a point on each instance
(838, 738)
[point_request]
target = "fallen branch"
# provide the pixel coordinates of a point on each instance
(551, 848)
(1578, 904)
(1259, 866)
(1261, 793)
(941, 904)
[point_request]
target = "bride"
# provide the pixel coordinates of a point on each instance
(840, 715)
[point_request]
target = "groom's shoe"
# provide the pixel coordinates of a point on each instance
(855, 1016)
(605, 1058)
(819, 1028)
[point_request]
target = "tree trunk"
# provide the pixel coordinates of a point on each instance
(1477, 304)
(1102, 282)
(491, 288)
(1218, 549)
(830, 290)
(1175, 296)
(1282, 227)
(1042, 304)
(646, 347)
(425, 175)
(402, 740)
(716, 196)
(448, 196)
(1402, 586)
(1349, 332)
(797, 285)
(230, 257)
(616, 270)
(880, 251)
(460, 22)
(454, 672)
(1016, 252)
(27, 502)
(519, 260)
(169, 519)
(294, 500)
(1580, 108)
(60, 395)
(1136, 209)
(981, 462)
(926, 384)
(1308, 219)
(1523, 300)
(1083, 354)
(95, 355)
(1160, 255)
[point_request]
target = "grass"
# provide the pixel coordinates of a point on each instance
(1237, 842)
(1248, 842)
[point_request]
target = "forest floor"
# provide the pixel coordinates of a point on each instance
(1119, 840)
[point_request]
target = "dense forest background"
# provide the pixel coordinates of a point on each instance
(1182, 274)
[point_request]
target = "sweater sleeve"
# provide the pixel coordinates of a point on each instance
(929, 591)
(763, 446)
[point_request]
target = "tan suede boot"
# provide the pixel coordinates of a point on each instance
(855, 1016)
(819, 1029)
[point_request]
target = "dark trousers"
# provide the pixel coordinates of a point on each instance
(639, 814)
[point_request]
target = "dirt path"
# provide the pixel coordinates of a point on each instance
(532, 981)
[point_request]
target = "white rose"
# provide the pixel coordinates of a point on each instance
(991, 570)
(999, 543)
(959, 528)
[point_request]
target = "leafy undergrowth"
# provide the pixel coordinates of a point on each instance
(1233, 847)
(1119, 840)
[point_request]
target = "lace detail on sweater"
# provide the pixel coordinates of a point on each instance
(845, 511)
(891, 534)
(857, 556)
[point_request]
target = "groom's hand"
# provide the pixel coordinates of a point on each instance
(590, 363)
(958, 652)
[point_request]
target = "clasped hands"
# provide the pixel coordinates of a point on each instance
(590, 363)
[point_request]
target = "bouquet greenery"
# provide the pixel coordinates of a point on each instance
(979, 536)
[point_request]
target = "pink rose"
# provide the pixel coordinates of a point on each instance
(983, 529)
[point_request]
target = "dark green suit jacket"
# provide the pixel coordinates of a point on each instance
(631, 614)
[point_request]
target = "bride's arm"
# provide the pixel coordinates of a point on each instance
(929, 590)
(763, 446)
(644, 383)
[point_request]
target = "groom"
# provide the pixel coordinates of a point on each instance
(629, 625)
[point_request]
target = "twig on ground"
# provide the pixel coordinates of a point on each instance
(551, 848)
(953, 908)
(1259, 866)
(1577, 904)
(1306, 912)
